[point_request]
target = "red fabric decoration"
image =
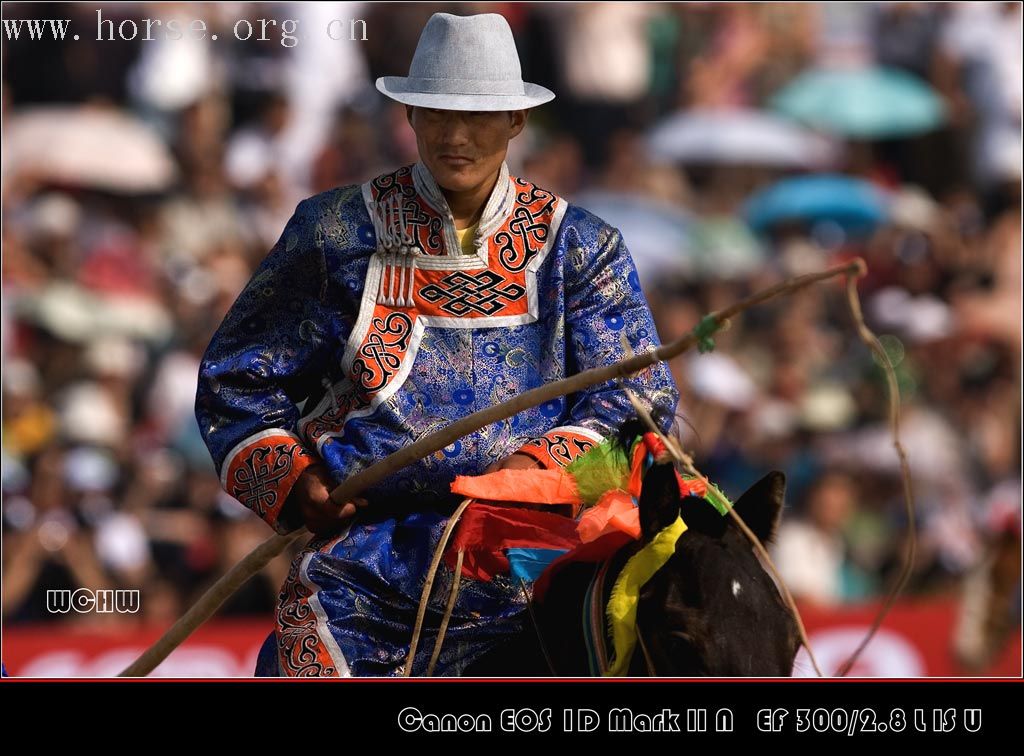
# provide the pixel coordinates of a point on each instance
(523, 486)
(654, 444)
(615, 511)
(695, 487)
(486, 530)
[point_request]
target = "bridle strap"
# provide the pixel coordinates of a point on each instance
(594, 635)
(593, 624)
(593, 620)
(651, 671)
(536, 626)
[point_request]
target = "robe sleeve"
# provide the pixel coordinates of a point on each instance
(267, 355)
(603, 301)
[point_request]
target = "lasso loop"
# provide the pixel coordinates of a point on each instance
(701, 336)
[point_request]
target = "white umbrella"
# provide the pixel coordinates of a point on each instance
(98, 147)
(738, 136)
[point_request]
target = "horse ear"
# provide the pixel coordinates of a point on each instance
(761, 505)
(659, 500)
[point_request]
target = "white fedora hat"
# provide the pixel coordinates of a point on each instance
(465, 63)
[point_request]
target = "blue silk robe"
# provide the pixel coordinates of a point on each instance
(365, 329)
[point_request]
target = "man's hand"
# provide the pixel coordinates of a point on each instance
(310, 503)
(515, 462)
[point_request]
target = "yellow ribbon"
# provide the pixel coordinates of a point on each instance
(625, 597)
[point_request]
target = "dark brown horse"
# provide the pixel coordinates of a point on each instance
(710, 610)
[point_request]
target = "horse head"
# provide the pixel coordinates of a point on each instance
(712, 609)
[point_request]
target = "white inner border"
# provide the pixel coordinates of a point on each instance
(322, 628)
(592, 435)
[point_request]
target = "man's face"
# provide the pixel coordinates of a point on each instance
(463, 149)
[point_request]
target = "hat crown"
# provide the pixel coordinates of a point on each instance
(467, 48)
(465, 63)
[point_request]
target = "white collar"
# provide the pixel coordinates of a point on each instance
(497, 208)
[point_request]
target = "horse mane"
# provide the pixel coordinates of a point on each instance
(628, 432)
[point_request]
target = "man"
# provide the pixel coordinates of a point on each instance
(388, 311)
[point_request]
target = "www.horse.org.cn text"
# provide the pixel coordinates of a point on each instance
(286, 31)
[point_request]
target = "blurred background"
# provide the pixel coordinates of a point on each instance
(734, 145)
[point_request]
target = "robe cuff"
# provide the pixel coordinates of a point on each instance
(560, 446)
(261, 471)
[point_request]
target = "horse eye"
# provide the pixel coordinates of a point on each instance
(682, 635)
(686, 654)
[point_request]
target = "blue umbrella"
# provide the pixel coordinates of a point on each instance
(854, 204)
(862, 103)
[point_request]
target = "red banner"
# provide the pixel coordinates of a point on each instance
(218, 649)
(915, 641)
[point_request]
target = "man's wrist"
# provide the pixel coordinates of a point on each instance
(537, 457)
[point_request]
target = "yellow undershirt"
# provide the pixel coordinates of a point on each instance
(466, 238)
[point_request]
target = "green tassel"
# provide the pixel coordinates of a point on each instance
(704, 331)
(717, 499)
(713, 495)
(605, 467)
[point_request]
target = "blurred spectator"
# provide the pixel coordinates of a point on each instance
(810, 553)
(984, 41)
(352, 150)
(604, 58)
(905, 35)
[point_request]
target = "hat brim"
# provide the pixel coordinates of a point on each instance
(396, 87)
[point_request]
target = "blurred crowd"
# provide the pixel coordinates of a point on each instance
(121, 257)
